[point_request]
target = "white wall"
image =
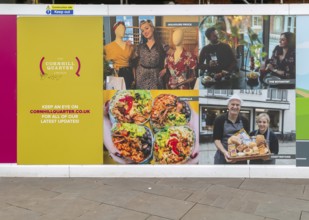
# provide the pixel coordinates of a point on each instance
(290, 124)
(14, 170)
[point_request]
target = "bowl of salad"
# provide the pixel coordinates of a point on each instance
(174, 145)
(132, 143)
(130, 106)
(168, 111)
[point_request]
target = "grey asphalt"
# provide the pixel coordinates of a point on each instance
(153, 198)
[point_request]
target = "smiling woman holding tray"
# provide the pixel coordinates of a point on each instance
(262, 121)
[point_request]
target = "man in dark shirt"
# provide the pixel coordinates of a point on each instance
(227, 125)
(219, 56)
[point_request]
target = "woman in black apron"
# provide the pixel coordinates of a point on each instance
(227, 125)
(262, 121)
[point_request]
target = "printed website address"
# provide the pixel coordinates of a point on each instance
(33, 111)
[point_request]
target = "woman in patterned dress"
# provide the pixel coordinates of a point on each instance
(149, 56)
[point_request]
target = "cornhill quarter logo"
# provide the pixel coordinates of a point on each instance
(59, 67)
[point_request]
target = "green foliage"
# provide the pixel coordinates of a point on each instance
(255, 50)
(234, 39)
(108, 71)
(256, 47)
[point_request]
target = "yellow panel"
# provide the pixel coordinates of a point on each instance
(60, 69)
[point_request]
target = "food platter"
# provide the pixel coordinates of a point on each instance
(251, 157)
(242, 147)
(253, 78)
(207, 81)
(214, 78)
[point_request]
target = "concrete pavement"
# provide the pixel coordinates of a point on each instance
(153, 198)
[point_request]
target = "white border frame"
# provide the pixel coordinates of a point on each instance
(192, 10)
(161, 171)
(158, 171)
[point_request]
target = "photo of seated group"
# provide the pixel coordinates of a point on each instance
(247, 126)
(247, 52)
(151, 127)
(150, 52)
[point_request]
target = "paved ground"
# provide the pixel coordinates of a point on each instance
(153, 199)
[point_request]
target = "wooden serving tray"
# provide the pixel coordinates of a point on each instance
(251, 157)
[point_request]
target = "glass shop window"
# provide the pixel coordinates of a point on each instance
(274, 116)
(128, 20)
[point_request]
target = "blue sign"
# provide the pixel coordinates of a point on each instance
(61, 12)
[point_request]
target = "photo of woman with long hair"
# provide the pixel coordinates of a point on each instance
(282, 62)
(149, 58)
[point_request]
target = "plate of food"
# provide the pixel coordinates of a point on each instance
(132, 143)
(253, 77)
(168, 111)
(221, 76)
(174, 145)
(207, 80)
(130, 106)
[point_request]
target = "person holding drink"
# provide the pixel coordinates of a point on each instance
(216, 57)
